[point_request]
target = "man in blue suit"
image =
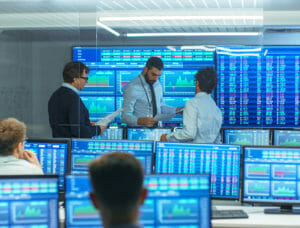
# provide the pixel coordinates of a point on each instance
(68, 116)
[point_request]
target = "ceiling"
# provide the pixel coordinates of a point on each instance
(158, 15)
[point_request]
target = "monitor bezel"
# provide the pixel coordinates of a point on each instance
(282, 129)
(246, 128)
(264, 203)
(227, 145)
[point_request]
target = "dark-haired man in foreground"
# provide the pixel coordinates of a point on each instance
(202, 119)
(117, 181)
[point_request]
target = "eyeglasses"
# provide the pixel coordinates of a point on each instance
(85, 78)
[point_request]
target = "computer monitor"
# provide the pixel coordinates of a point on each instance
(147, 133)
(111, 133)
(52, 154)
(176, 201)
(221, 161)
(272, 176)
(256, 137)
(79, 210)
(29, 201)
(286, 138)
(85, 150)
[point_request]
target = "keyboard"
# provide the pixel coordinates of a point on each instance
(228, 214)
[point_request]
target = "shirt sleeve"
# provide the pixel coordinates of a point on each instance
(189, 130)
(128, 106)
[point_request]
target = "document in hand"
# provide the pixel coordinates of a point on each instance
(109, 118)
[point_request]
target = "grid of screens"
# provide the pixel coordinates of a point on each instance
(146, 133)
(79, 210)
(255, 137)
(111, 68)
(52, 155)
(259, 86)
(85, 150)
(221, 161)
(286, 138)
(111, 133)
(271, 175)
(176, 201)
(29, 201)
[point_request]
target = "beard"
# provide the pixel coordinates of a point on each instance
(151, 82)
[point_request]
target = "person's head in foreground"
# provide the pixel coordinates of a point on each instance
(206, 80)
(12, 136)
(117, 182)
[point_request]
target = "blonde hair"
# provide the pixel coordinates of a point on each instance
(12, 132)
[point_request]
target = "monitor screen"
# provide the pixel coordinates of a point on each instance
(85, 150)
(286, 138)
(221, 161)
(112, 68)
(259, 86)
(146, 133)
(79, 210)
(176, 201)
(29, 201)
(52, 155)
(111, 133)
(272, 175)
(255, 137)
(99, 107)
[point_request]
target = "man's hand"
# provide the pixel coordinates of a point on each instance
(102, 128)
(93, 123)
(147, 121)
(31, 158)
(163, 138)
(179, 110)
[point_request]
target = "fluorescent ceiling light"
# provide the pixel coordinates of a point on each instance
(108, 28)
(194, 34)
(151, 18)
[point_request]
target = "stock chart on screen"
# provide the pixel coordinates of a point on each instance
(256, 137)
(29, 201)
(111, 133)
(221, 161)
(146, 133)
(176, 201)
(99, 107)
(123, 78)
(272, 175)
(52, 155)
(286, 138)
(85, 150)
(80, 211)
(259, 86)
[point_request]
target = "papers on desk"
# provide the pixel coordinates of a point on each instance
(108, 119)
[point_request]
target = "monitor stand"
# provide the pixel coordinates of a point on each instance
(282, 210)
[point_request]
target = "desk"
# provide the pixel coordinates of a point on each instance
(257, 219)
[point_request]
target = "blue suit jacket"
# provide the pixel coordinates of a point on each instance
(68, 115)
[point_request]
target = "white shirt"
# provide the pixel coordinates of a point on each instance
(202, 121)
(10, 165)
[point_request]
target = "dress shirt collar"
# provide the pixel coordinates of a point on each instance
(201, 94)
(67, 85)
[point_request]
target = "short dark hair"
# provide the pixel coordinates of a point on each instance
(74, 70)
(12, 132)
(117, 180)
(154, 62)
(207, 79)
